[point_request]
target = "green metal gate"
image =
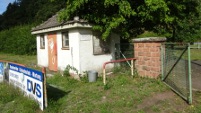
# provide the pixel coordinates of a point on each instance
(176, 69)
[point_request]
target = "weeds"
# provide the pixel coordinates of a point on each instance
(12, 100)
(68, 69)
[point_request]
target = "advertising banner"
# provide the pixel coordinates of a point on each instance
(29, 81)
(1, 71)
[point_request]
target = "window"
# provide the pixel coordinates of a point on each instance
(100, 46)
(65, 40)
(42, 42)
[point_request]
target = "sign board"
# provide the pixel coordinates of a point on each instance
(1, 71)
(29, 81)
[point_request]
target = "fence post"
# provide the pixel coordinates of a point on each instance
(45, 85)
(189, 74)
(132, 68)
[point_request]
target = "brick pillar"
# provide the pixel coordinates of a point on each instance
(147, 52)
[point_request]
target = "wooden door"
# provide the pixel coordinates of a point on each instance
(52, 52)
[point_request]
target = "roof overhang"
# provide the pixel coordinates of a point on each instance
(62, 27)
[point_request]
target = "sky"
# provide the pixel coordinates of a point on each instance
(4, 4)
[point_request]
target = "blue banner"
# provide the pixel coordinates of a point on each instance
(27, 71)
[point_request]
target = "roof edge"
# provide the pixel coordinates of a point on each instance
(62, 27)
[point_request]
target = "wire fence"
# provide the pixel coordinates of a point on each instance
(176, 69)
(124, 51)
(196, 65)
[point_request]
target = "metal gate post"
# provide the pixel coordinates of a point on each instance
(189, 74)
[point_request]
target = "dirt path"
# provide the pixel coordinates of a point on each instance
(158, 103)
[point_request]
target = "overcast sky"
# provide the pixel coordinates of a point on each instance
(4, 4)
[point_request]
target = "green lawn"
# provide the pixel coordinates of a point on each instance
(195, 54)
(123, 93)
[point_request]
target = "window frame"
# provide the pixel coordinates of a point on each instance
(100, 47)
(42, 42)
(65, 37)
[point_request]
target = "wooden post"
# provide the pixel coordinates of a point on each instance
(44, 84)
(132, 71)
(104, 81)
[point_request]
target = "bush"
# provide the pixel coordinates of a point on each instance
(18, 40)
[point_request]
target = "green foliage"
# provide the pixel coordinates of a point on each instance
(131, 18)
(67, 70)
(18, 40)
(149, 34)
(188, 29)
(12, 100)
(22, 12)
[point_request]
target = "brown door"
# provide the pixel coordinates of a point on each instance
(52, 52)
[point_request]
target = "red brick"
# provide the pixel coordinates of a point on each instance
(146, 49)
(156, 44)
(149, 64)
(155, 59)
(147, 54)
(140, 44)
(146, 58)
(154, 49)
(146, 68)
(140, 53)
(148, 44)
(141, 63)
(141, 73)
(155, 69)
(155, 54)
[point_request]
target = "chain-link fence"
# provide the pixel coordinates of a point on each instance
(196, 66)
(176, 71)
(124, 51)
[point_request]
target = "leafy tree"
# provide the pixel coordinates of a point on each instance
(132, 17)
(23, 12)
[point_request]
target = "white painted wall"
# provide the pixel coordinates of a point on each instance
(88, 61)
(42, 54)
(80, 54)
(63, 56)
(70, 56)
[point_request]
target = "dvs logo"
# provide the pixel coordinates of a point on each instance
(34, 88)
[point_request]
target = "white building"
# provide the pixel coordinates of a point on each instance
(72, 43)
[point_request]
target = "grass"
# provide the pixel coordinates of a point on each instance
(27, 60)
(122, 94)
(149, 34)
(195, 54)
(12, 101)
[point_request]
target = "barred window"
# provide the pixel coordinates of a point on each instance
(65, 40)
(42, 42)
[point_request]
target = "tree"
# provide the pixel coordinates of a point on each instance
(130, 17)
(23, 12)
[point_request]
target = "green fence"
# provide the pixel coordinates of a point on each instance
(176, 69)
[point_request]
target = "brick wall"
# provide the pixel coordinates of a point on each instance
(147, 52)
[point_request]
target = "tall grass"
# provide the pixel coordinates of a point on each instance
(13, 101)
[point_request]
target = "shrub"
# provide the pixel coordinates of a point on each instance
(18, 40)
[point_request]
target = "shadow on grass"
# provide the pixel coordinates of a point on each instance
(54, 93)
